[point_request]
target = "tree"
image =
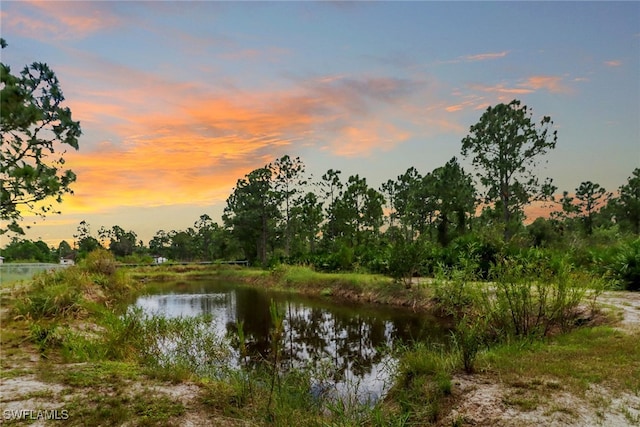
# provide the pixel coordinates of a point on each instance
(628, 203)
(85, 240)
(206, 232)
(306, 218)
(64, 249)
(455, 199)
(35, 127)
(27, 250)
(287, 181)
(251, 212)
(590, 197)
(407, 201)
(121, 243)
(160, 244)
(506, 145)
(183, 245)
(332, 191)
(357, 214)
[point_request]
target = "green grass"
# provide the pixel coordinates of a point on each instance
(572, 361)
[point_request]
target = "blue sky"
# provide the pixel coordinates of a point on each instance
(177, 100)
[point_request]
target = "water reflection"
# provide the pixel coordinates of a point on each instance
(352, 340)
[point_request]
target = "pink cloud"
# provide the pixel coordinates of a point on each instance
(613, 63)
(501, 89)
(485, 56)
(45, 20)
(551, 83)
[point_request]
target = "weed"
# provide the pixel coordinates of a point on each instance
(45, 337)
(468, 337)
(424, 379)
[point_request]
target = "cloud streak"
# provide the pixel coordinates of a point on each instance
(484, 56)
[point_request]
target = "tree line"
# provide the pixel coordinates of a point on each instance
(280, 214)
(277, 213)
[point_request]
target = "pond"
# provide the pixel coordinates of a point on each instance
(355, 341)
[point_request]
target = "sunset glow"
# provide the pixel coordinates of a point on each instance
(178, 100)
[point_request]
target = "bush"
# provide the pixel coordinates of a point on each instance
(625, 267)
(101, 261)
(530, 299)
(483, 251)
(468, 337)
(405, 260)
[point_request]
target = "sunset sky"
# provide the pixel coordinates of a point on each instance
(178, 100)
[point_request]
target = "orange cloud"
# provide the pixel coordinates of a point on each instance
(153, 141)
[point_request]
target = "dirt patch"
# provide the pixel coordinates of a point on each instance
(626, 305)
(484, 402)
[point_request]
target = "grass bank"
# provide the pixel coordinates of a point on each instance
(356, 287)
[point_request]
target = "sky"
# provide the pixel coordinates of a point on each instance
(179, 100)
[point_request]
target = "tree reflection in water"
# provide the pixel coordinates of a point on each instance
(347, 346)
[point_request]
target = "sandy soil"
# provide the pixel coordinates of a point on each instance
(481, 401)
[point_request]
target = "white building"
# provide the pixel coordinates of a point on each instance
(159, 260)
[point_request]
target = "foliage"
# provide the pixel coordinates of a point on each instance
(544, 232)
(475, 251)
(28, 251)
(251, 212)
(468, 337)
(531, 298)
(505, 145)
(52, 295)
(287, 180)
(455, 199)
(627, 205)
(70, 292)
(589, 199)
(100, 261)
(122, 243)
(35, 127)
(624, 268)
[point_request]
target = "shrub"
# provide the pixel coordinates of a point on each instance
(530, 299)
(405, 259)
(468, 337)
(101, 261)
(625, 267)
(484, 251)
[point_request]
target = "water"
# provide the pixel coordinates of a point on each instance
(351, 342)
(13, 272)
